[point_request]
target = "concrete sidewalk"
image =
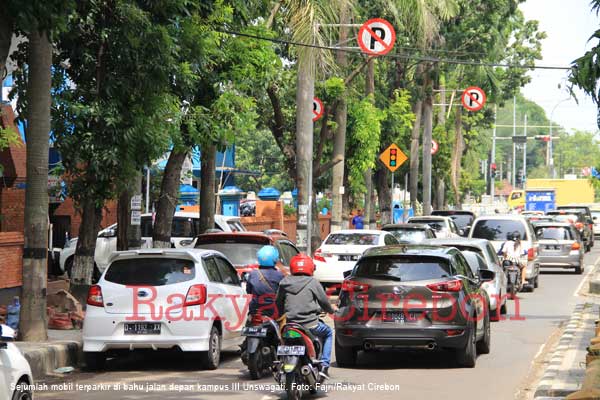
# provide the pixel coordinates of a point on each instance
(63, 349)
(565, 365)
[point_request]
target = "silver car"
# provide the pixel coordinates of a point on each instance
(496, 289)
(560, 246)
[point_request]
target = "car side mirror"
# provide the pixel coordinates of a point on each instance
(461, 232)
(347, 273)
(109, 233)
(486, 275)
(186, 242)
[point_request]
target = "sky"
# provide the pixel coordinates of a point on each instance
(568, 24)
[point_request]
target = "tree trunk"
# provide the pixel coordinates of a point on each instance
(6, 31)
(207, 190)
(167, 201)
(384, 193)
(440, 191)
(129, 236)
(83, 264)
(414, 154)
(304, 143)
(456, 157)
(427, 137)
(35, 252)
(346, 210)
(367, 205)
(339, 140)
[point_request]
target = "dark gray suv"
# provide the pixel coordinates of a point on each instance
(413, 297)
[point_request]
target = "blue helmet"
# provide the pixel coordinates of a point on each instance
(267, 256)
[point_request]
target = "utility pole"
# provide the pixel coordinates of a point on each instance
(514, 155)
(493, 156)
(525, 153)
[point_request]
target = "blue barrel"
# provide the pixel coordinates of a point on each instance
(269, 194)
(295, 196)
(230, 201)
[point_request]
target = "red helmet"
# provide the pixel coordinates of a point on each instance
(301, 264)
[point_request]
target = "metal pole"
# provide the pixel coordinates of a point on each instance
(514, 158)
(525, 153)
(492, 179)
(404, 210)
(148, 189)
(392, 205)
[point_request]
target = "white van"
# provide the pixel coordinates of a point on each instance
(185, 227)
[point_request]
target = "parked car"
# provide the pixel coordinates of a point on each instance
(561, 246)
(154, 299)
(496, 289)
(596, 218)
(499, 228)
(580, 221)
(185, 227)
(462, 218)
(341, 249)
(410, 233)
(240, 248)
(15, 373)
(413, 295)
(444, 227)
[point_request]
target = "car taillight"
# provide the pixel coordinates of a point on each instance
(196, 295)
(448, 286)
(354, 286)
(95, 296)
(579, 225)
(318, 255)
(575, 246)
(531, 254)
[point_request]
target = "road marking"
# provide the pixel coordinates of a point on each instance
(589, 269)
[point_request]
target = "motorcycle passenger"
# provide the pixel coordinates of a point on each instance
(263, 283)
(511, 250)
(301, 297)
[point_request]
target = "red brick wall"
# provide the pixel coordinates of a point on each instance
(12, 209)
(68, 208)
(14, 157)
(11, 259)
(260, 224)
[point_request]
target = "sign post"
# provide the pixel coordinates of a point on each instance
(376, 37)
(393, 158)
(473, 98)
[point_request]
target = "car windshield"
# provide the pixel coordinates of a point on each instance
(409, 235)
(157, 271)
(236, 253)
(403, 268)
(554, 232)
(498, 229)
(360, 239)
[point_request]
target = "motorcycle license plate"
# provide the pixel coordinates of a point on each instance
(254, 331)
(290, 350)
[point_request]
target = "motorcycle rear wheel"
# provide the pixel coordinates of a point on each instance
(255, 366)
(292, 386)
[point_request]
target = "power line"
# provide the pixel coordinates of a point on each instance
(397, 55)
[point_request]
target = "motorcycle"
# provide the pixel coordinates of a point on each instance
(262, 339)
(298, 366)
(513, 277)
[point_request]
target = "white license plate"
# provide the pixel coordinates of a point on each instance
(290, 350)
(142, 328)
(254, 331)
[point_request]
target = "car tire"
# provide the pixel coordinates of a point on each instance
(94, 361)
(579, 270)
(536, 282)
(210, 359)
(484, 345)
(466, 357)
(345, 356)
(21, 392)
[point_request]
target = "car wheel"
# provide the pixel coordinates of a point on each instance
(210, 359)
(579, 270)
(536, 283)
(467, 356)
(345, 356)
(94, 361)
(484, 345)
(21, 392)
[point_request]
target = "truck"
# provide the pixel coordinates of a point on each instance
(566, 191)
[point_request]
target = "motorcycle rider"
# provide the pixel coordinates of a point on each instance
(262, 283)
(511, 250)
(301, 297)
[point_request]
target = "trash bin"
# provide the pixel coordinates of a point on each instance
(295, 197)
(269, 194)
(397, 212)
(230, 200)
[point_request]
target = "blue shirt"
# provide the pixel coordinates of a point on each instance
(264, 290)
(357, 221)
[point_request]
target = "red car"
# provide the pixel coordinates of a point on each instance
(240, 248)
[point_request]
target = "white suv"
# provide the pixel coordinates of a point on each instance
(184, 229)
(170, 298)
(497, 228)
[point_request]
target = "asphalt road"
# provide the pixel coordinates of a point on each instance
(502, 374)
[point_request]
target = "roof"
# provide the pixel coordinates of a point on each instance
(430, 218)
(252, 237)
(452, 212)
(542, 224)
(363, 231)
(195, 254)
(410, 249)
(478, 243)
(502, 217)
(406, 226)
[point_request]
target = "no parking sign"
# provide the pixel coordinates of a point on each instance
(376, 37)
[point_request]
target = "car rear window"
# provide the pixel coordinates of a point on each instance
(236, 253)
(157, 271)
(498, 229)
(409, 235)
(433, 224)
(554, 232)
(569, 218)
(360, 239)
(403, 269)
(462, 220)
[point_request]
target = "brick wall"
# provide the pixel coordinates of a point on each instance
(12, 209)
(289, 225)
(109, 216)
(11, 259)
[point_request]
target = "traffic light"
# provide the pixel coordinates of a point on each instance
(493, 170)
(543, 138)
(393, 157)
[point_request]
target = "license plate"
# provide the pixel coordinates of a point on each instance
(348, 258)
(290, 350)
(142, 328)
(255, 331)
(552, 247)
(400, 317)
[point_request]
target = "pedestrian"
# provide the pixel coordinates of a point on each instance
(357, 221)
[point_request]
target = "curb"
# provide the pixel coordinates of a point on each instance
(594, 287)
(44, 358)
(544, 388)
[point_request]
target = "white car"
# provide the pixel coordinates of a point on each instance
(341, 249)
(15, 373)
(499, 228)
(596, 219)
(444, 227)
(184, 229)
(165, 298)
